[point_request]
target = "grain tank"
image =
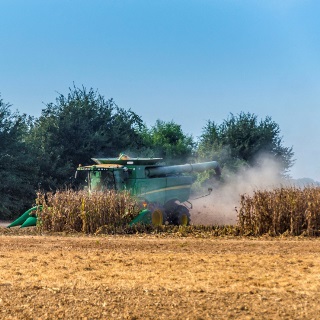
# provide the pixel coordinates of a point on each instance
(161, 190)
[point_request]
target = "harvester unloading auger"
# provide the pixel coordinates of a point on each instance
(162, 190)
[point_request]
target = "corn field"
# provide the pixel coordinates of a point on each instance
(286, 210)
(289, 210)
(106, 213)
(83, 212)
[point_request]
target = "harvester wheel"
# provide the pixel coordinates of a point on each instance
(158, 217)
(181, 216)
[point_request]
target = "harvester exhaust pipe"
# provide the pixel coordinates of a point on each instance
(184, 168)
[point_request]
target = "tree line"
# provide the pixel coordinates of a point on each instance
(43, 153)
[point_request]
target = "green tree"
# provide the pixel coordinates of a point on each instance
(168, 141)
(241, 141)
(76, 128)
(18, 168)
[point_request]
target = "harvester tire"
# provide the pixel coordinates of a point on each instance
(158, 217)
(181, 216)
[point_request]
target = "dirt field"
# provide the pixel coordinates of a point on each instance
(150, 277)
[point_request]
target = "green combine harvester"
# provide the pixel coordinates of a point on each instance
(162, 190)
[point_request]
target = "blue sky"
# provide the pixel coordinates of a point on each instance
(186, 61)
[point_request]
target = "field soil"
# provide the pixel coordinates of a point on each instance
(157, 277)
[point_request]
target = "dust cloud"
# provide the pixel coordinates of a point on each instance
(219, 208)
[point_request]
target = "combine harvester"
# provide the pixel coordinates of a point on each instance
(162, 190)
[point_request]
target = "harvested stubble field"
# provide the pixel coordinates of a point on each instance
(57, 276)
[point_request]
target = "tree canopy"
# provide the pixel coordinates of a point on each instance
(242, 140)
(18, 168)
(168, 141)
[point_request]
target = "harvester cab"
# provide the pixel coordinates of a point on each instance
(161, 190)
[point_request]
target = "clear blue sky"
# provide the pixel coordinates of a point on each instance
(187, 61)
